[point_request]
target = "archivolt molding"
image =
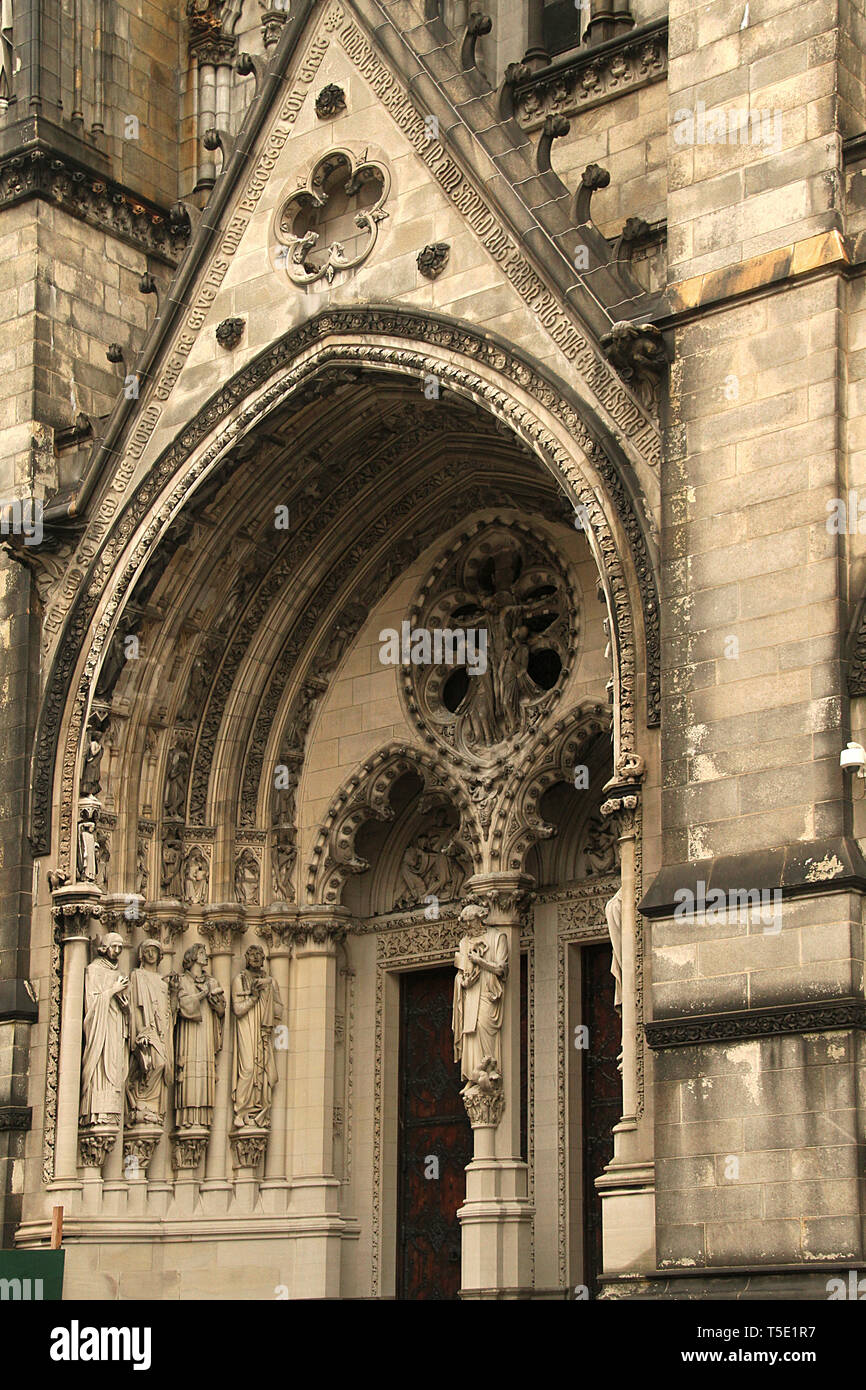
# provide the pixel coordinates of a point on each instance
(517, 822)
(367, 796)
(231, 414)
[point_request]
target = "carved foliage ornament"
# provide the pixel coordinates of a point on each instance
(331, 223)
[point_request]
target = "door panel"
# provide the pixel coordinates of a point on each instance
(602, 1095)
(433, 1125)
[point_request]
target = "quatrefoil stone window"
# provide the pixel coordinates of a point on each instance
(330, 222)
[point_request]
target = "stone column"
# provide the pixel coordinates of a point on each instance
(276, 931)
(19, 684)
(214, 54)
(315, 1200)
(627, 1184)
(607, 20)
(73, 908)
(496, 1217)
(216, 1187)
(536, 55)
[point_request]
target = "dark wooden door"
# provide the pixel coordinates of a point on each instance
(433, 1126)
(602, 1095)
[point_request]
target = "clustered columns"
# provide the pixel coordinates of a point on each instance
(73, 909)
(315, 1200)
(213, 54)
(119, 1163)
(536, 53)
(496, 1217)
(608, 19)
(627, 1184)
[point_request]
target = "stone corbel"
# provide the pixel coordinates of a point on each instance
(478, 25)
(554, 128)
(638, 352)
(248, 65)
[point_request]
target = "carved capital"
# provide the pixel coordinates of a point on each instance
(272, 25)
(318, 931)
(72, 908)
(221, 933)
(507, 898)
(483, 1097)
(96, 1144)
(139, 1144)
(248, 1146)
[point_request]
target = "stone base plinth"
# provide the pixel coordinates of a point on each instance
(496, 1225)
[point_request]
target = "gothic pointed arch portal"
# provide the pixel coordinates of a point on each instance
(213, 696)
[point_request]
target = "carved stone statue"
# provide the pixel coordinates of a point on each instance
(142, 873)
(257, 1007)
(103, 857)
(174, 801)
(285, 853)
(7, 57)
(601, 847)
(150, 1035)
(284, 806)
(196, 873)
(90, 771)
(197, 689)
(481, 962)
(201, 1003)
(495, 698)
(172, 863)
(106, 1009)
(431, 864)
(613, 914)
(87, 843)
(246, 877)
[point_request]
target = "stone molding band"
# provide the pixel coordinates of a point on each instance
(42, 172)
(17, 1118)
(780, 1020)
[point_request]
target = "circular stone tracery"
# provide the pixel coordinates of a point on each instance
(490, 640)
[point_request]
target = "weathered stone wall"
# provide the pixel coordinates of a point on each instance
(18, 684)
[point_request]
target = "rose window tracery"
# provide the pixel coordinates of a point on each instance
(500, 624)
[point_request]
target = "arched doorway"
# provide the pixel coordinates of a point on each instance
(229, 686)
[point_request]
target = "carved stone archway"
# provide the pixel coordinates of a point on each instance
(125, 531)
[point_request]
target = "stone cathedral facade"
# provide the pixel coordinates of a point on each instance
(432, 613)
